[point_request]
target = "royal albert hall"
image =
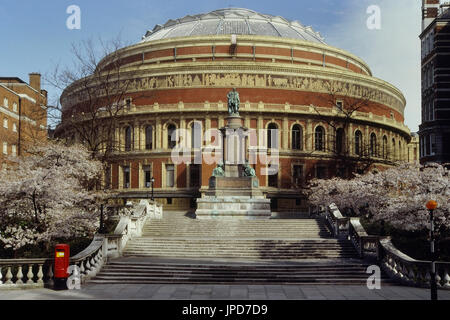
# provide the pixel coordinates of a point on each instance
(317, 107)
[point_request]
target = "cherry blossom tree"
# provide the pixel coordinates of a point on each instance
(50, 194)
(397, 195)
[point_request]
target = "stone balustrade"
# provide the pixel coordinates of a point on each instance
(395, 263)
(365, 244)
(29, 273)
(19, 273)
(409, 271)
(337, 222)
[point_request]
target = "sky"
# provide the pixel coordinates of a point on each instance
(34, 36)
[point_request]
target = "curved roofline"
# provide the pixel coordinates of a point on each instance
(320, 46)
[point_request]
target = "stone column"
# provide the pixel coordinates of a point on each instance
(118, 139)
(285, 135)
(136, 136)
(158, 134)
(309, 135)
(186, 135)
(350, 138)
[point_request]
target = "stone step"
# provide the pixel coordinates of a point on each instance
(300, 273)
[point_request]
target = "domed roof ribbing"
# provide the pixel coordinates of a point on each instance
(233, 21)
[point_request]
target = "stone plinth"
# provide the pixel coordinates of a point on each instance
(233, 196)
(233, 207)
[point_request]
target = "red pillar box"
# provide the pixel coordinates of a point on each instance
(62, 260)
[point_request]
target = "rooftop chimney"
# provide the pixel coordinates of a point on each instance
(35, 81)
(430, 11)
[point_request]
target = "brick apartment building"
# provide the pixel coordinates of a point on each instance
(23, 115)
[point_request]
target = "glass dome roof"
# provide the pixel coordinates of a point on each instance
(233, 21)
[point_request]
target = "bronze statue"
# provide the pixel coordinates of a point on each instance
(219, 171)
(233, 102)
(248, 170)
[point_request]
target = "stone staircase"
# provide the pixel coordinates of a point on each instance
(181, 249)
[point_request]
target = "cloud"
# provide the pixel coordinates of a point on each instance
(392, 53)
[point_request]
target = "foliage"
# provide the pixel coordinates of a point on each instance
(49, 195)
(396, 196)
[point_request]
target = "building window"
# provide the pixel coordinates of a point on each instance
(393, 149)
(297, 175)
(15, 107)
(148, 137)
(126, 177)
(14, 127)
(171, 136)
(272, 136)
(321, 172)
(385, 142)
(339, 104)
(5, 123)
(170, 175)
(169, 200)
(5, 147)
(433, 144)
(340, 140)
(147, 176)
(297, 137)
(273, 180)
(194, 175)
(13, 150)
(319, 138)
(373, 145)
(431, 111)
(5, 102)
(358, 143)
(128, 138)
(196, 135)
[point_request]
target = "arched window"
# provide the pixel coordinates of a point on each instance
(297, 137)
(272, 136)
(196, 135)
(171, 136)
(340, 140)
(373, 145)
(385, 143)
(400, 151)
(148, 137)
(358, 142)
(393, 149)
(128, 138)
(319, 139)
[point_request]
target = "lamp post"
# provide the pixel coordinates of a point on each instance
(431, 206)
(101, 229)
(152, 181)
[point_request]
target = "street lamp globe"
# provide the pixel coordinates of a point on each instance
(431, 205)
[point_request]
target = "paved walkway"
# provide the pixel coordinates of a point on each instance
(224, 292)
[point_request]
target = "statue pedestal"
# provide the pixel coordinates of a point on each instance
(233, 196)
